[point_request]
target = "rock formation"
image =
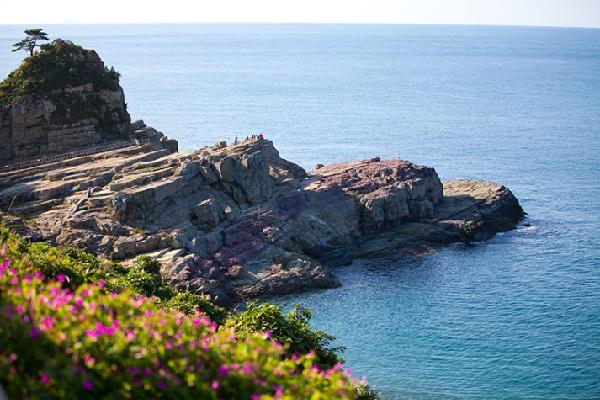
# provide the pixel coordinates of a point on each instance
(239, 221)
(49, 107)
(232, 222)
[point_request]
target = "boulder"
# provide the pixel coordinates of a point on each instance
(208, 212)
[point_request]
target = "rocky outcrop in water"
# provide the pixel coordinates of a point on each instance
(232, 222)
(239, 221)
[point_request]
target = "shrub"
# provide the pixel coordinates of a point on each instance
(79, 267)
(58, 65)
(89, 343)
(293, 330)
(188, 303)
(144, 277)
(113, 293)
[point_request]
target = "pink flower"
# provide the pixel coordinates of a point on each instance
(149, 313)
(44, 379)
(223, 370)
(20, 310)
(34, 332)
(278, 390)
(91, 334)
(48, 322)
(101, 283)
(137, 302)
(267, 335)
(247, 368)
(88, 385)
(255, 397)
(61, 278)
(215, 385)
(130, 335)
(89, 360)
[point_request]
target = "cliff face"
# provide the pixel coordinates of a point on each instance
(239, 221)
(61, 99)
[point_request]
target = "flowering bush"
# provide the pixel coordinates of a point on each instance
(90, 343)
(61, 340)
(80, 267)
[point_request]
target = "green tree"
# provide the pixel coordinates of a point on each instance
(30, 40)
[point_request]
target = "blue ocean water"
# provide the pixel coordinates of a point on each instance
(515, 317)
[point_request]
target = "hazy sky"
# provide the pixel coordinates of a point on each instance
(502, 12)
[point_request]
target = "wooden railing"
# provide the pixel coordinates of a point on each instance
(76, 153)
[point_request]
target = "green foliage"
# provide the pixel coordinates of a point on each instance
(29, 43)
(114, 294)
(78, 267)
(89, 344)
(292, 329)
(187, 303)
(144, 276)
(58, 65)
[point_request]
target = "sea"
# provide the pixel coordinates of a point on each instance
(514, 317)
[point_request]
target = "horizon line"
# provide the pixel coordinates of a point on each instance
(306, 23)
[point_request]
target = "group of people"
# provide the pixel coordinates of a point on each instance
(260, 136)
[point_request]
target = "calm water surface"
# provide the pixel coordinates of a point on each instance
(515, 317)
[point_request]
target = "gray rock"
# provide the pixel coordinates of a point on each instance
(239, 222)
(208, 213)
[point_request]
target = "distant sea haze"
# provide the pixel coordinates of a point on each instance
(515, 317)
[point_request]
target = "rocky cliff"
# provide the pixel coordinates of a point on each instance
(61, 99)
(239, 221)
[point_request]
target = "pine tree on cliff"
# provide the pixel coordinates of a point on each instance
(30, 41)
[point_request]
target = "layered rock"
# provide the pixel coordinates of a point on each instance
(67, 106)
(239, 221)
